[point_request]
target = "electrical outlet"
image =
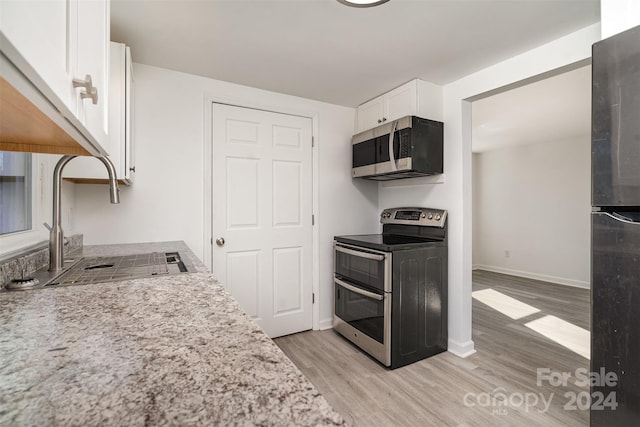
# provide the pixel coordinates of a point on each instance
(507, 254)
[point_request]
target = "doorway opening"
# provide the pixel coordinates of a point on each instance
(531, 225)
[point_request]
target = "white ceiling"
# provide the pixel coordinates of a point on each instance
(551, 110)
(324, 50)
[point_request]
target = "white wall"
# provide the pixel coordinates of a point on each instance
(166, 201)
(618, 15)
(535, 202)
(476, 197)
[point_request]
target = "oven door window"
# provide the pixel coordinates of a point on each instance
(362, 312)
(362, 268)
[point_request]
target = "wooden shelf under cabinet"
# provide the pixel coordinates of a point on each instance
(23, 127)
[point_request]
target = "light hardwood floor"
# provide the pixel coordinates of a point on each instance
(446, 390)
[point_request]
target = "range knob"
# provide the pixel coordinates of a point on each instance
(430, 216)
(423, 215)
(438, 217)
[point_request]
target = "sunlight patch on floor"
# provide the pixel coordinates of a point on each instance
(504, 304)
(564, 333)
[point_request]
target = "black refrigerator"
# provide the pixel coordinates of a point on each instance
(615, 231)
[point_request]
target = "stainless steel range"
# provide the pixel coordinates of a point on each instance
(391, 288)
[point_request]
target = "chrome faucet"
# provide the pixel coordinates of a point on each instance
(56, 236)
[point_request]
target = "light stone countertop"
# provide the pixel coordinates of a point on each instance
(172, 350)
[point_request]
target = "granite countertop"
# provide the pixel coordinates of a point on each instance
(172, 350)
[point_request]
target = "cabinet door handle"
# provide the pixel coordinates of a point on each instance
(90, 94)
(90, 91)
(87, 83)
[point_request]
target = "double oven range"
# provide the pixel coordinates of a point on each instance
(391, 288)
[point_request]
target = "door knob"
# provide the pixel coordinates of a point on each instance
(220, 241)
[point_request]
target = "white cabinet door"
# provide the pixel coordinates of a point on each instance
(262, 209)
(127, 92)
(370, 114)
(401, 101)
(92, 41)
(38, 29)
(119, 142)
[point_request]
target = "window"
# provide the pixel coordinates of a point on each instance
(24, 201)
(15, 192)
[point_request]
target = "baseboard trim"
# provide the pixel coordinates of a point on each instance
(325, 324)
(462, 350)
(535, 276)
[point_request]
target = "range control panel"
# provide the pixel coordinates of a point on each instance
(424, 217)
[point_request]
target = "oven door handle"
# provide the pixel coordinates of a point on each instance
(359, 291)
(360, 254)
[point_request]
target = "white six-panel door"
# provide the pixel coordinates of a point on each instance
(262, 207)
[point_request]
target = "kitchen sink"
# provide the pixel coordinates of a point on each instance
(115, 268)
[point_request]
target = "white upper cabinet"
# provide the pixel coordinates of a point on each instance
(93, 60)
(53, 43)
(120, 141)
(371, 114)
(401, 101)
(415, 98)
(39, 30)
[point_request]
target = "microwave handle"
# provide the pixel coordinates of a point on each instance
(360, 254)
(391, 155)
(359, 291)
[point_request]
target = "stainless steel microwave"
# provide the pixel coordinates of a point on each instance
(404, 148)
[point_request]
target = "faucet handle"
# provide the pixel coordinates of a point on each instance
(48, 227)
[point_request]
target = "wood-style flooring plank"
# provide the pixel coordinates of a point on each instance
(432, 392)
